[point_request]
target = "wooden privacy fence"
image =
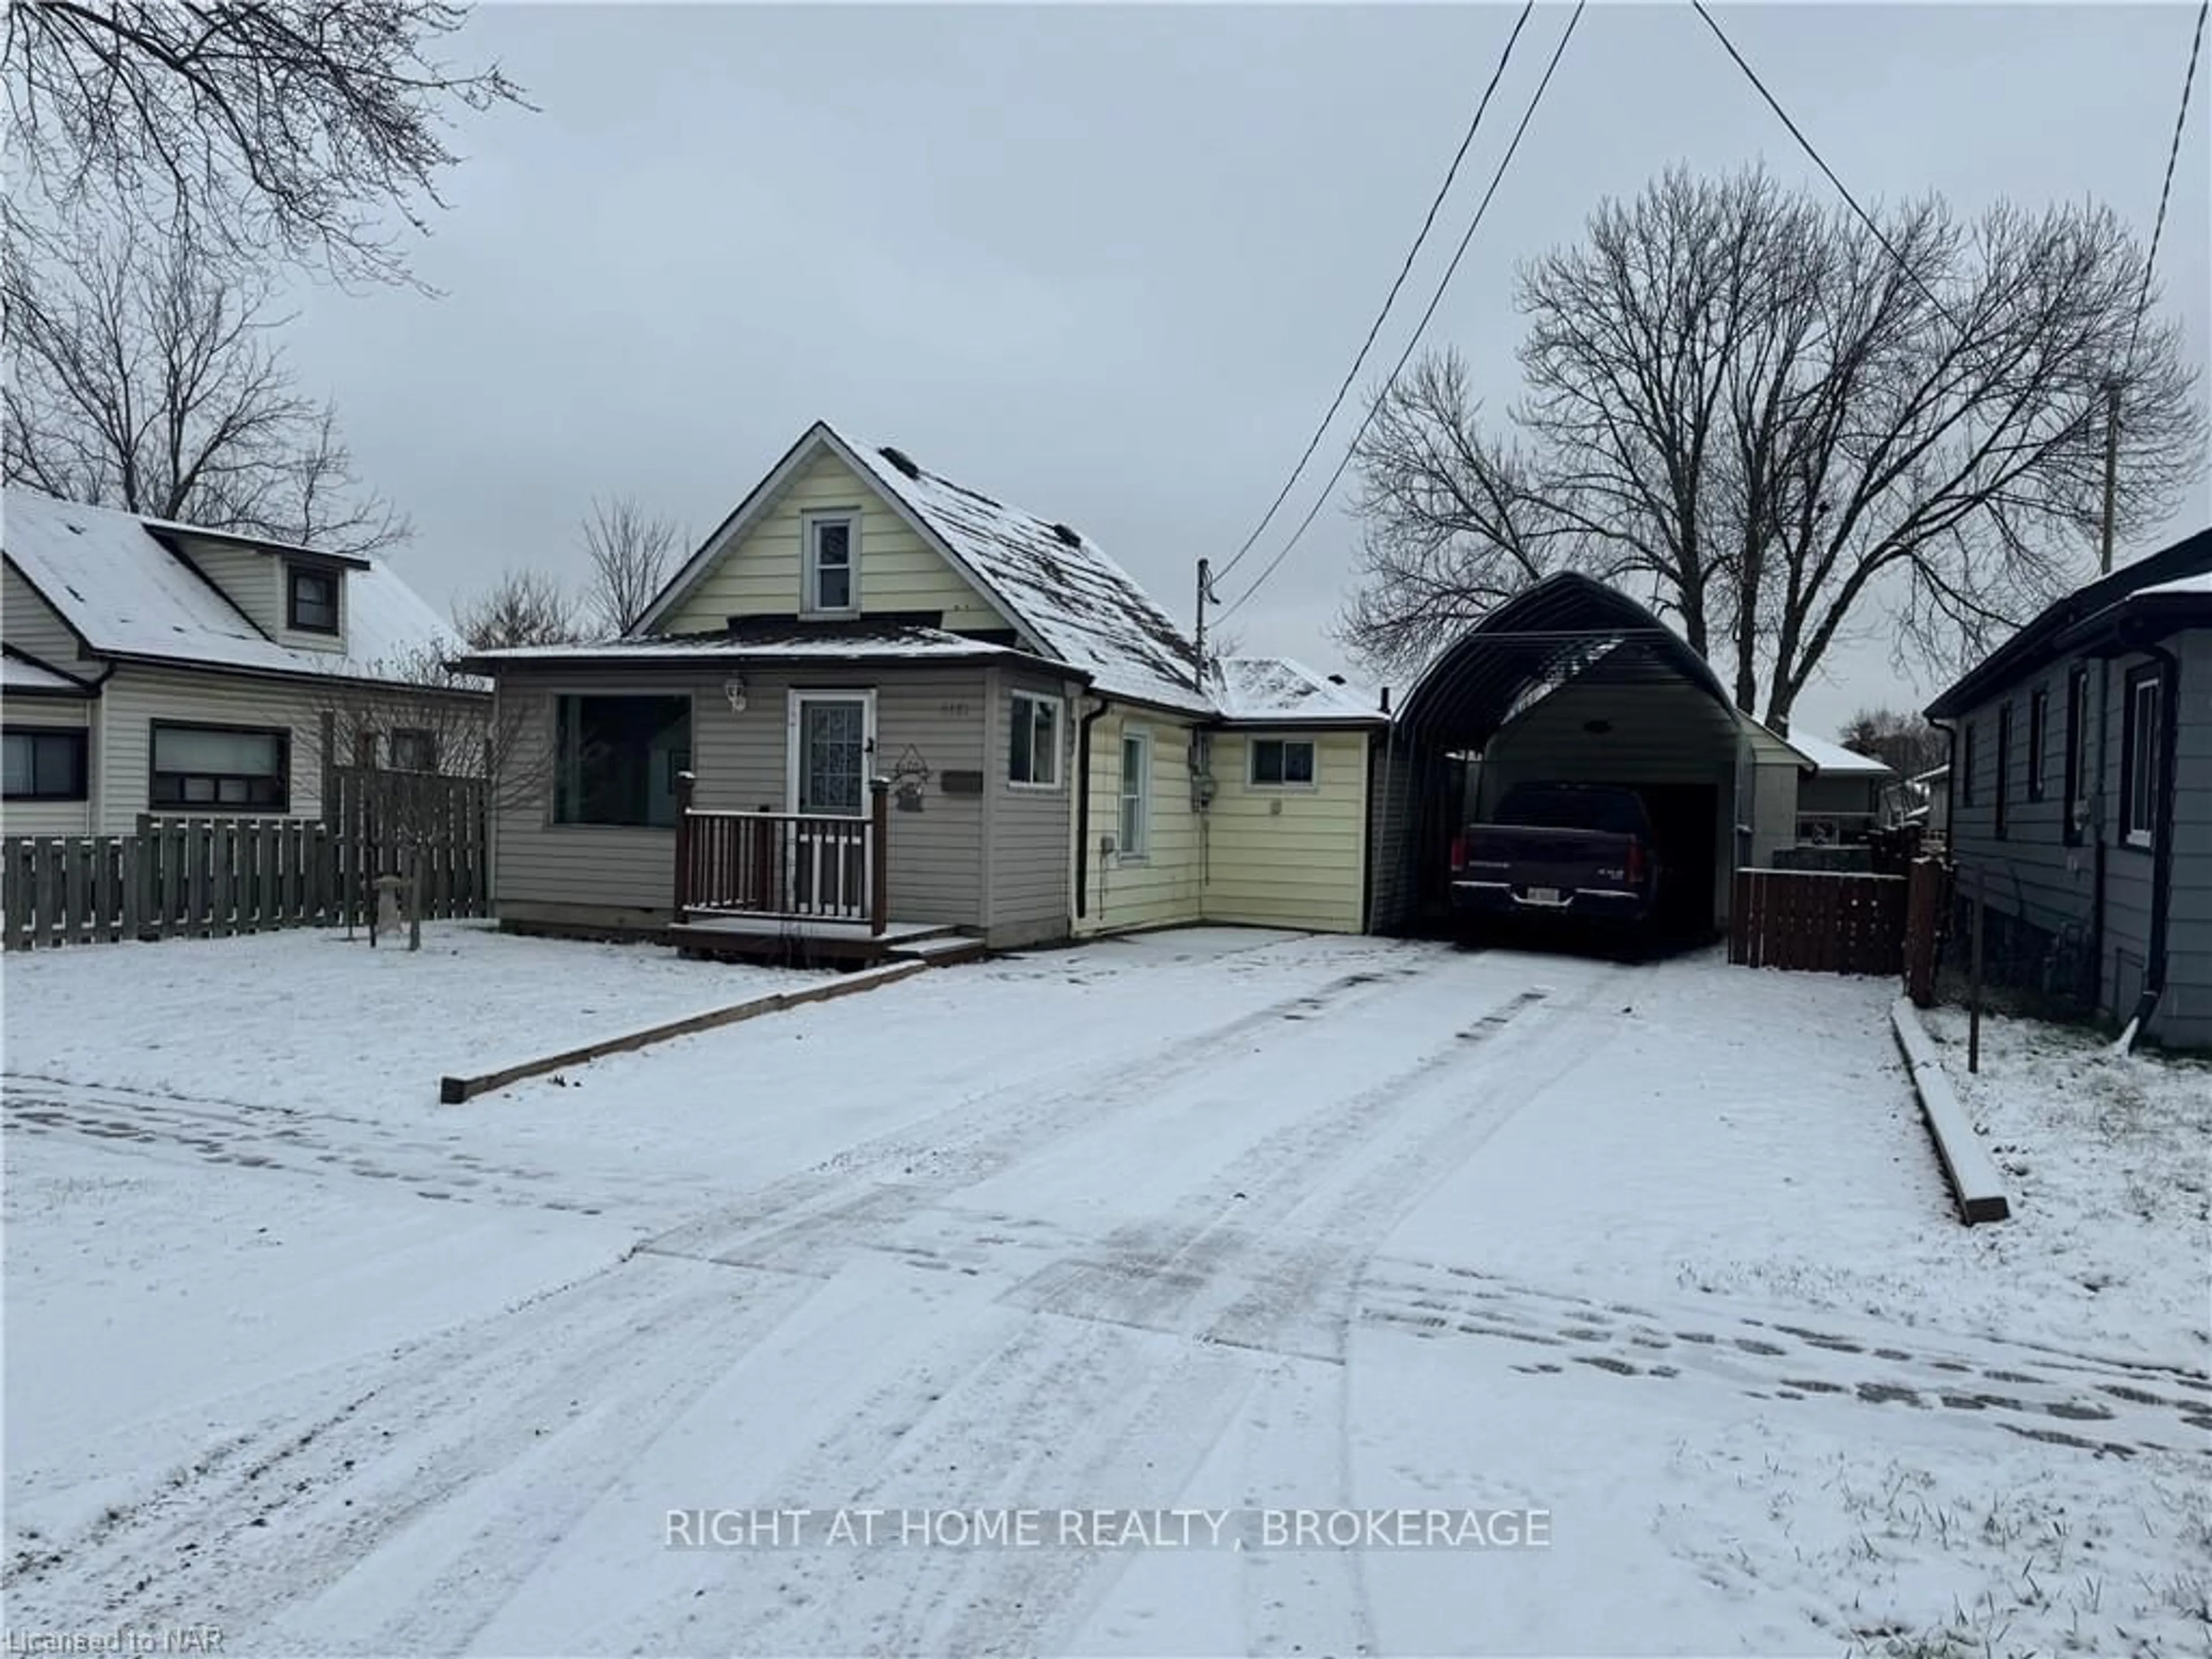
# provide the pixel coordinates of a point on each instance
(1818, 920)
(201, 878)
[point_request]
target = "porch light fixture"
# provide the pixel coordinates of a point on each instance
(734, 691)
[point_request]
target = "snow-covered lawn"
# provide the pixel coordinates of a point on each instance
(1217, 1218)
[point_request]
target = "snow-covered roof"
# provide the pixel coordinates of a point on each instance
(766, 641)
(128, 594)
(1832, 758)
(21, 675)
(1051, 580)
(1281, 690)
(2199, 583)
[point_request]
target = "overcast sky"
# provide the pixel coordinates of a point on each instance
(1109, 263)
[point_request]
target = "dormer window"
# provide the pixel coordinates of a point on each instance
(832, 541)
(311, 601)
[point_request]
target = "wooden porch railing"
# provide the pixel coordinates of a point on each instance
(787, 866)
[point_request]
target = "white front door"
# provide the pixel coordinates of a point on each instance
(831, 744)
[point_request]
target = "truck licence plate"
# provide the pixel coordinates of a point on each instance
(1543, 896)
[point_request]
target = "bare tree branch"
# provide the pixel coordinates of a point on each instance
(299, 128)
(630, 550)
(523, 607)
(1740, 405)
(144, 375)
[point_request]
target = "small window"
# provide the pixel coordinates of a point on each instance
(1966, 768)
(615, 759)
(2039, 731)
(2080, 771)
(312, 600)
(221, 768)
(1136, 795)
(2003, 786)
(832, 563)
(44, 765)
(2140, 760)
(413, 749)
(1033, 754)
(1282, 763)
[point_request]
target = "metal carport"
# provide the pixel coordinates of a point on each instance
(1572, 681)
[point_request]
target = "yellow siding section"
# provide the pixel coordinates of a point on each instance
(761, 574)
(1289, 858)
(254, 582)
(1166, 884)
(33, 625)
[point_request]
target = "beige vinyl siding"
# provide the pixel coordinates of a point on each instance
(1028, 898)
(253, 581)
(50, 818)
(763, 573)
(1165, 884)
(1288, 857)
(925, 718)
(135, 696)
(30, 624)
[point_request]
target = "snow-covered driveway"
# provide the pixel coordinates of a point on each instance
(1218, 1220)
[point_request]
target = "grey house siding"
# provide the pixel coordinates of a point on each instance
(2030, 872)
(604, 876)
(1031, 897)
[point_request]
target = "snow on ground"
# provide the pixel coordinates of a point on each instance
(1212, 1219)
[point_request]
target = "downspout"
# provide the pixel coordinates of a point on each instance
(1083, 808)
(2162, 865)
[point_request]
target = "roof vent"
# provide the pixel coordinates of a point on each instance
(1067, 534)
(1336, 679)
(901, 460)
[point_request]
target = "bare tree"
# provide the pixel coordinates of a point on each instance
(1745, 407)
(144, 375)
(411, 729)
(630, 550)
(1901, 740)
(301, 128)
(523, 607)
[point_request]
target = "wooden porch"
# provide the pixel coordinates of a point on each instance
(800, 889)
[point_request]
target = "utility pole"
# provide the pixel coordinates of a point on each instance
(1205, 595)
(2111, 469)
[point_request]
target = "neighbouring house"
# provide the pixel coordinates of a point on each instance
(1056, 763)
(159, 667)
(2080, 796)
(1839, 800)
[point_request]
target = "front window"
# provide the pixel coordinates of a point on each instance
(413, 750)
(312, 600)
(1033, 754)
(1282, 763)
(44, 765)
(221, 768)
(2141, 760)
(2004, 768)
(2079, 770)
(2038, 729)
(616, 759)
(832, 561)
(1136, 795)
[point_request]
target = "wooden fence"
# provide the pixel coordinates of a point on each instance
(202, 878)
(1818, 920)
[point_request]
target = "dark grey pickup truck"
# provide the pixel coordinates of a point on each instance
(1570, 850)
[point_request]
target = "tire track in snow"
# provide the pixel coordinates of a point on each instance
(557, 1396)
(1076, 1394)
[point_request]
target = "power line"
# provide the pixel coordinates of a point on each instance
(1404, 271)
(1806, 144)
(2165, 190)
(1374, 405)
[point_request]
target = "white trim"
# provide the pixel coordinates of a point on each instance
(1059, 744)
(864, 696)
(1252, 766)
(2140, 748)
(1138, 734)
(811, 523)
